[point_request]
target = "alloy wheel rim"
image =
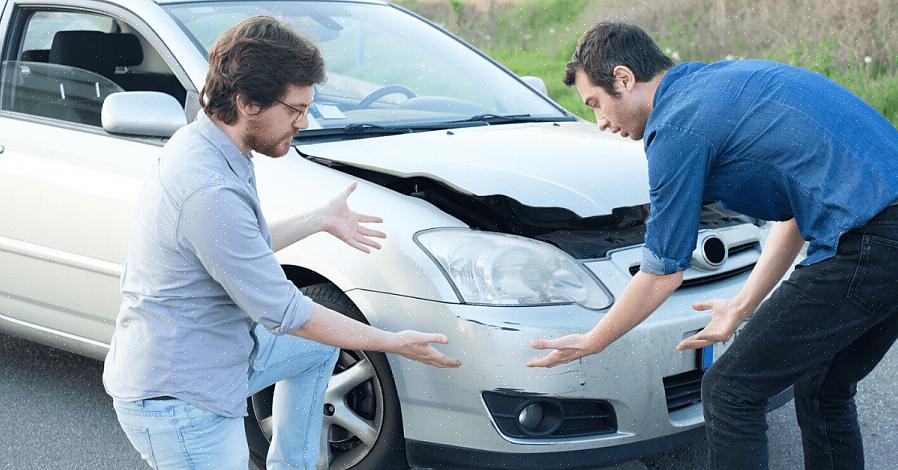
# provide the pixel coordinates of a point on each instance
(354, 410)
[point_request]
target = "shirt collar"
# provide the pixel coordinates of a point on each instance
(658, 100)
(241, 164)
(672, 76)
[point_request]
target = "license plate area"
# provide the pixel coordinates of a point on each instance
(708, 355)
(704, 358)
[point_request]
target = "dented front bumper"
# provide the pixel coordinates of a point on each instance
(446, 407)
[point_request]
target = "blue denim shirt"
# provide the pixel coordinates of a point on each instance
(199, 273)
(767, 140)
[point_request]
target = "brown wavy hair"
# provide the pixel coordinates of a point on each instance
(259, 58)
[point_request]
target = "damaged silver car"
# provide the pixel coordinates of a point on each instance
(508, 220)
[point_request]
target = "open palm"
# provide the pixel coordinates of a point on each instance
(724, 320)
(346, 224)
(419, 347)
(562, 350)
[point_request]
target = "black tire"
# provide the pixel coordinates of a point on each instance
(388, 450)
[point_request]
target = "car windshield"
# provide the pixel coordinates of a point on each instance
(385, 67)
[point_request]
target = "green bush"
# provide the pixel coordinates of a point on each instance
(550, 70)
(536, 37)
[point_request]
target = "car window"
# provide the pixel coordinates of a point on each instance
(384, 66)
(44, 24)
(56, 91)
(66, 63)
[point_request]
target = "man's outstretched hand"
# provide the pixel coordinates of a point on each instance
(564, 350)
(418, 346)
(724, 320)
(346, 224)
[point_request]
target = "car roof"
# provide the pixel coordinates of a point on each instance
(168, 2)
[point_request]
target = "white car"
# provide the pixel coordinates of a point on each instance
(507, 218)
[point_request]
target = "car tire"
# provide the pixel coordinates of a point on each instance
(375, 400)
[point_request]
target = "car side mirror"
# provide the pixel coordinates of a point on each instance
(142, 113)
(537, 83)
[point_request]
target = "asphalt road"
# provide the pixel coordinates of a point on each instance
(55, 415)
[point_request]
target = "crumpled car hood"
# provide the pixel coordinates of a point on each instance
(570, 165)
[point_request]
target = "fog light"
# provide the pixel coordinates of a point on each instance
(715, 250)
(710, 253)
(530, 417)
(540, 417)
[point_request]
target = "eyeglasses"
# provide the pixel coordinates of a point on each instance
(299, 112)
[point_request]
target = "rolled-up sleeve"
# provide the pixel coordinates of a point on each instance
(678, 160)
(217, 224)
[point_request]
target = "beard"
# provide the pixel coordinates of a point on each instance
(259, 139)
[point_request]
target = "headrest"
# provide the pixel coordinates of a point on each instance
(36, 55)
(83, 49)
(127, 47)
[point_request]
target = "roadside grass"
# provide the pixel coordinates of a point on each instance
(551, 70)
(854, 42)
(880, 91)
(529, 37)
(877, 86)
(536, 37)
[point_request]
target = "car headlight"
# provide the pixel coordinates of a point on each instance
(490, 268)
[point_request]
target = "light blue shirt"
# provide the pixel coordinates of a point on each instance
(767, 140)
(199, 273)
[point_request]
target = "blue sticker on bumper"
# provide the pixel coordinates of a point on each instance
(707, 356)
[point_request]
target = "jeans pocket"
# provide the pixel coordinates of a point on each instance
(201, 419)
(874, 286)
(140, 439)
(214, 442)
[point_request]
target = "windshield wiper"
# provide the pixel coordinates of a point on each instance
(491, 118)
(358, 130)
(363, 129)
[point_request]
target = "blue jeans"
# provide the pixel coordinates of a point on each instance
(174, 434)
(823, 330)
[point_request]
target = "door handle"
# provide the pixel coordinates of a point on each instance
(2, 149)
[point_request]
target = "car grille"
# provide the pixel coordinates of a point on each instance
(683, 390)
(744, 247)
(718, 276)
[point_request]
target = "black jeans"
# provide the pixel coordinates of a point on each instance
(822, 330)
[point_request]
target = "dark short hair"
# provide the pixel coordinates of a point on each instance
(260, 58)
(606, 45)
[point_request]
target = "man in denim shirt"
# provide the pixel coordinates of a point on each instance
(208, 316)
(777, 143)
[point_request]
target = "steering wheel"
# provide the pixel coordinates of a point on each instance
(384, 91)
